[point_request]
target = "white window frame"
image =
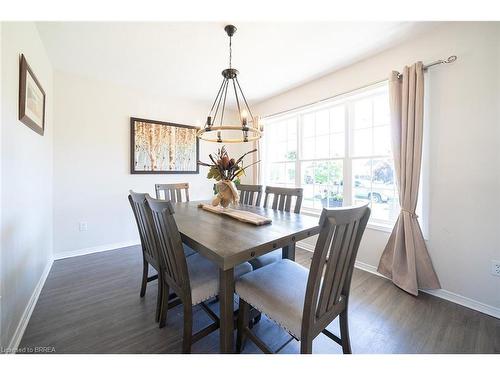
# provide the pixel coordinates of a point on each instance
(347, 159)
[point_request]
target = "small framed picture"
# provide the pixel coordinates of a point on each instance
(31, 98)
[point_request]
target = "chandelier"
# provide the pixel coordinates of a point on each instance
(215, 117)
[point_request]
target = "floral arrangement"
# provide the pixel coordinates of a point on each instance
(226, 170)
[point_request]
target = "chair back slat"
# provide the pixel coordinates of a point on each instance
(283, 197)
(251, 195)
(171, 254)
(243, 197)
(281, 205)
(343, 271)
(276, 200)
(167, 262)
(335, 243)
(288, 203)
(250, 192)
(333, 260)
(145, 226)
(172, 192)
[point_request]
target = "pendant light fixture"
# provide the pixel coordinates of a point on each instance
(215, 117)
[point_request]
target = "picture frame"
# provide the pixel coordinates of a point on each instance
(174, 148)
(31, 98)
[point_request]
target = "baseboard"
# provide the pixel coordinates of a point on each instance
(95, 249)
(25, 318)
(465, 301)
(368, 268)
(440, 293)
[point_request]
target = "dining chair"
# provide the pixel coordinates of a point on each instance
(305, 302)
(283, 197)
(250, 194)
(148, 244)
(194, 279)
(172, 192)
(282, 201)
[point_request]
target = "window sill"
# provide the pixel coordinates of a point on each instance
(382, 227)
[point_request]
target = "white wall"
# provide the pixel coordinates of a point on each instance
(26, 179)
(91, 160)
(463, 140)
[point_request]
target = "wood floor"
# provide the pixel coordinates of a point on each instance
(91, 304)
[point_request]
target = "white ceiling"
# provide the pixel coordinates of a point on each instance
(185, 59)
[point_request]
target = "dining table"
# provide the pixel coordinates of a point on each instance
(228, 242)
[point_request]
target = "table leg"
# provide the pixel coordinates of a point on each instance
(288, 252)
(226, 300)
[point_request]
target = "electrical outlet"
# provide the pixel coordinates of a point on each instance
(83, 226)
(495, 267)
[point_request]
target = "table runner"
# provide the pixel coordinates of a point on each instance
(241, 215)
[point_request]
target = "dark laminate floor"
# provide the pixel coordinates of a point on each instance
(91, 304)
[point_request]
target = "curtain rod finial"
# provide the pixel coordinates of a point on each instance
(450, 59)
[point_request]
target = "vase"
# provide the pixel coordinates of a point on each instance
(226, 194)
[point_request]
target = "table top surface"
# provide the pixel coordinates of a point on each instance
(229, 242)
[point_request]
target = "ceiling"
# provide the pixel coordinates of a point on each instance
(185, 59)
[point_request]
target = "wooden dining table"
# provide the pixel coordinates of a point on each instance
(229, 242)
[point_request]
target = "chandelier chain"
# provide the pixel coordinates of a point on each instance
(230, 51)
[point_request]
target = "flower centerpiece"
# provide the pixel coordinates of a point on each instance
(226, 171)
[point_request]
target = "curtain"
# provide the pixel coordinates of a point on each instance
(405, 259)
(257, 168)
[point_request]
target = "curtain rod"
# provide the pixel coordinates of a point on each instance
(449, 60)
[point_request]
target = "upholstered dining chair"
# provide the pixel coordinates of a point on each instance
(305, 302)
(148, 244)
(250, 194)
(282, 199)
(194, 279)
(172, 192)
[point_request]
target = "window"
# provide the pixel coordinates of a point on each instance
(338, 151)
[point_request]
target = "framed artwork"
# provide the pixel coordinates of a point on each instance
(31, 98)
(158, 147)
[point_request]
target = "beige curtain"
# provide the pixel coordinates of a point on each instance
(256, 169)
(405, 259)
